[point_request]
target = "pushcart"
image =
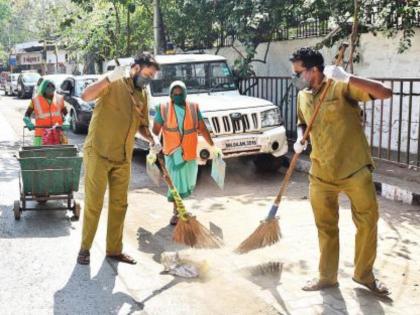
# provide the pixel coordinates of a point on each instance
(50, 172)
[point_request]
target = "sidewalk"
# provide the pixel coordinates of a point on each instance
(392, 181)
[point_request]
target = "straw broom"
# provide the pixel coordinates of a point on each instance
(188, 230)
(268, 232)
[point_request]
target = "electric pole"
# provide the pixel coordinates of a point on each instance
(156, 27)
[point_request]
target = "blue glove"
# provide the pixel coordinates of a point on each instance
(28, 123)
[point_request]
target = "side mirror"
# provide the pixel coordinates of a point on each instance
(64, 92)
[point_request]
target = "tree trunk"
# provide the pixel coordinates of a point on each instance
(117, 29)
(128, 46)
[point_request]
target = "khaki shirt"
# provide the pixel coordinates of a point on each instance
(115, 121)
(339, 145)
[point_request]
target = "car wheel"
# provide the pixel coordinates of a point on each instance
(75, 125)
(5, 92)
(21, 94)
(270, 163)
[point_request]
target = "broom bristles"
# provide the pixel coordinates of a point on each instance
(266, 234)
(192, 233)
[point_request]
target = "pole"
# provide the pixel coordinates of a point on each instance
(156, 26)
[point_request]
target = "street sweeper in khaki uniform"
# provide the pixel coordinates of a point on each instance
(341, 162)
(121, 110)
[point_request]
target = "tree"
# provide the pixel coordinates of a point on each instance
(108, 29)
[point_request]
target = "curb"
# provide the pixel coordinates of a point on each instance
(385, 190)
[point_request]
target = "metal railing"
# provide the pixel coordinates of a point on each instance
(392, 126)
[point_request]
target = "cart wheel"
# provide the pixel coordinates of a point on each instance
(16, 209)
(76, 212)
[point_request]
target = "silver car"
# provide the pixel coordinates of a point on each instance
(10, 86)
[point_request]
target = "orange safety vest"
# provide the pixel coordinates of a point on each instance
(45, 114)
(172, 137)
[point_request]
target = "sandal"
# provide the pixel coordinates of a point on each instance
(376, 287)
(123, 258)
(317, 285)
(84, 257)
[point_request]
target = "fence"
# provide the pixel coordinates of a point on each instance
(302, 29)
(392, 126)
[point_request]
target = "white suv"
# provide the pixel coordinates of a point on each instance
(240, 125)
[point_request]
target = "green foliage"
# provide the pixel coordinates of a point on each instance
(108, 29)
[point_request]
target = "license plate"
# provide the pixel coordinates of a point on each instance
(240, 143)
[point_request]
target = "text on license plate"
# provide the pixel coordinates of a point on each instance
(251, 142)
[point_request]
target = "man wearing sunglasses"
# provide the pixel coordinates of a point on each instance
(340, 162)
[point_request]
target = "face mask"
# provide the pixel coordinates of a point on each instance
(178, 99)
(49, 91)
(300, 82)
(140, 81)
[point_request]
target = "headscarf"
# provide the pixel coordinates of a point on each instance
(43, 86)
(179, 84)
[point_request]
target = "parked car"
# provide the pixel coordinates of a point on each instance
(10, 88)
(57, 79)
(240, 125)
(26, 84)
(80, 111)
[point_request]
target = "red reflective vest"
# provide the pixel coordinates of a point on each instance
(173, 138)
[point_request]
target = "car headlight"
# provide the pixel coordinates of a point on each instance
(86, 107)
(208, 125)
(271, 118)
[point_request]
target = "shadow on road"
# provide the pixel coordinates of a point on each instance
(83, 295)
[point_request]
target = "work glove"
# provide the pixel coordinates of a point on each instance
(28, 123)
(337, 74)
(116, 74)
(217, 152)
(299, 147)
(151, 158)
(155, 148)
(66, 124)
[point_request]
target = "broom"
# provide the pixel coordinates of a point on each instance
(188, 230)
(268, 232)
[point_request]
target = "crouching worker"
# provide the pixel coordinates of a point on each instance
(49, 111)
(180, 122)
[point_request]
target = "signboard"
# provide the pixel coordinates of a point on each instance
(31, 59)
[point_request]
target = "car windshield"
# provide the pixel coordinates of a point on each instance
(200, 77)
(81, 84)
(30, 77)
(56, 80)
(14, 77)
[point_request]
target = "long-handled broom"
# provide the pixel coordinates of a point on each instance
(188, 230)
(268, 232)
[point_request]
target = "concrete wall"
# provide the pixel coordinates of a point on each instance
(379, 57)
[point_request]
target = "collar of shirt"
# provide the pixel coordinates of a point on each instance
(321, 87)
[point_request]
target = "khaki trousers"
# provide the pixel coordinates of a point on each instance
(324, 200)
(99, 173)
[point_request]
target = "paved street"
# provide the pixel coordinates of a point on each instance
(39, 274)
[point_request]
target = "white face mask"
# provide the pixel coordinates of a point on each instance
(300, 82)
